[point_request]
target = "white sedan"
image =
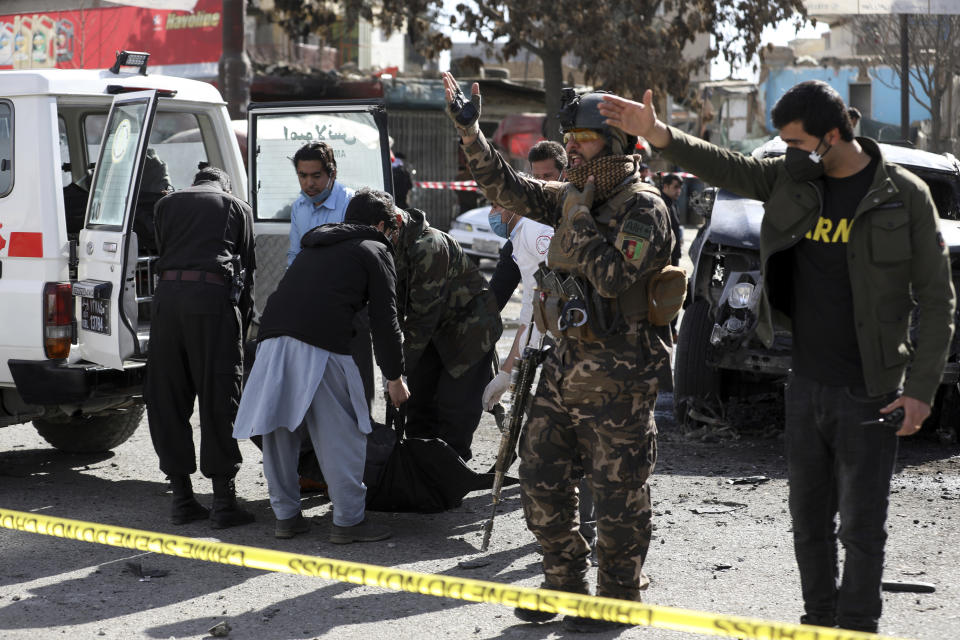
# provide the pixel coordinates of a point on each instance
(472, 231)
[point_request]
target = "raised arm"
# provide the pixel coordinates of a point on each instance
(498, 181)
(743, 175)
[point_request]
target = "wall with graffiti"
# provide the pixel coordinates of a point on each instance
(89, 39)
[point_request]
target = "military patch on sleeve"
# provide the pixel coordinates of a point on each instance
(637, 228)
(632, 247)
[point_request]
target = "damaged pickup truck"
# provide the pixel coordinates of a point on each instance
(719, 358)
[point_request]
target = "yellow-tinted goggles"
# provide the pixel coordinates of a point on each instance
(581, 135)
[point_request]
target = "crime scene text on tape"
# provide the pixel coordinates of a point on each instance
(634, 613)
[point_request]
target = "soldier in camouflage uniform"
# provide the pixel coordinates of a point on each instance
(592, 413)
(451, 323)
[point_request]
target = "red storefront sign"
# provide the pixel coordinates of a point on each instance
(89, 39)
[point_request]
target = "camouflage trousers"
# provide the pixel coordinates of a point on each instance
(592, 416)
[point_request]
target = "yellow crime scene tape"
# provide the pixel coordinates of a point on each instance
(634, 613)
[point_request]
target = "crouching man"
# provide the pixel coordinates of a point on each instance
(304, 373)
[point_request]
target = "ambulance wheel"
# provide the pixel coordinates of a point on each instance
(91, 434)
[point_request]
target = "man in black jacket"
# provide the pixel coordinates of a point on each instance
(205, 239)
(304, 372)
(670, 188)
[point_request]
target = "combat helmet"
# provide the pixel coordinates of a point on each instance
(579, 111)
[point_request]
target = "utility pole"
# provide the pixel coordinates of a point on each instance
(904, 79)
(234, 69)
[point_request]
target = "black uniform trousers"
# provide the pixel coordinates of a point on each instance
(441, 406)
(195, 350)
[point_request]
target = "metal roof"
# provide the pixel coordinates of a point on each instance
(95, 82)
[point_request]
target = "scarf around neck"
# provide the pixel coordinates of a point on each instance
(608, 173)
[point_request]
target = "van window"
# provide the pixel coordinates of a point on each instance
(6, 147)
(354, 136)
(176, 141)
(117, 165)
(64, 151)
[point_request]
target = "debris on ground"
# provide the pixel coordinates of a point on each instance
(907, 586)
(220, 630)
(748, 480)
(474, 563)
(143, 574)
(718, 506)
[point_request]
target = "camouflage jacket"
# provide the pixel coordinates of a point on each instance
(611, 266)
(442, 297)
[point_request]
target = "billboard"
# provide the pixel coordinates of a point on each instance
(190, 43)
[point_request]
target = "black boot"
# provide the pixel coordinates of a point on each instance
(185, 506)
(539, 617)
(225, 512)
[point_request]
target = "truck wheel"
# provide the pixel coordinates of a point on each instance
(945, 418)
(695, 382)
(90, 434)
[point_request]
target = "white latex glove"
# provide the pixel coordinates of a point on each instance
(495, 389)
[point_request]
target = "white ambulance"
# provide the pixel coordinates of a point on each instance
(83, 156)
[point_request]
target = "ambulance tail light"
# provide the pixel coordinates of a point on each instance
(57, 319)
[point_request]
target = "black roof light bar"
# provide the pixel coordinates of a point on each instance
(131, 59)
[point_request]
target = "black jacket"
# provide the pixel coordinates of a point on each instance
(340, 269)
(204, 228)
(677, 229)
(506, 276)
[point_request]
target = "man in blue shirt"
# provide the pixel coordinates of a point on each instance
(322, 198)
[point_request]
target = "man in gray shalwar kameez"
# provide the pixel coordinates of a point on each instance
(304, 375)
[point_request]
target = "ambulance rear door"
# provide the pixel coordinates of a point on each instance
(105, 291)
(357, 132)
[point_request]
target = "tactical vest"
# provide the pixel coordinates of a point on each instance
(610, 316)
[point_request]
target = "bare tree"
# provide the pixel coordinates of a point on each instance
(934, 61)
(624, 46)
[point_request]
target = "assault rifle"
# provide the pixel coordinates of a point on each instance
(524, 368)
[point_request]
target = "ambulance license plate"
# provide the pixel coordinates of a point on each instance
(95, 315)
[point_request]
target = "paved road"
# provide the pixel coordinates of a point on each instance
(734, 556)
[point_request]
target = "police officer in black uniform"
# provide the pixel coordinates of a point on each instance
(201, 309)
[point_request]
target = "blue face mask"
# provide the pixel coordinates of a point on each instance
(323, 195)
(498, 226)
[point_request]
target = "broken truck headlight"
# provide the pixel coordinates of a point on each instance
(740, 295)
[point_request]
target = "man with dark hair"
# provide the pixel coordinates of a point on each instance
(305, 375)
(592, 414)
(849, 245)
(373, 208)
(154, 184)
(322, 198)
(547, 160)
(645, 172)
(670, 189)
(402, 180)
(200, 312)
